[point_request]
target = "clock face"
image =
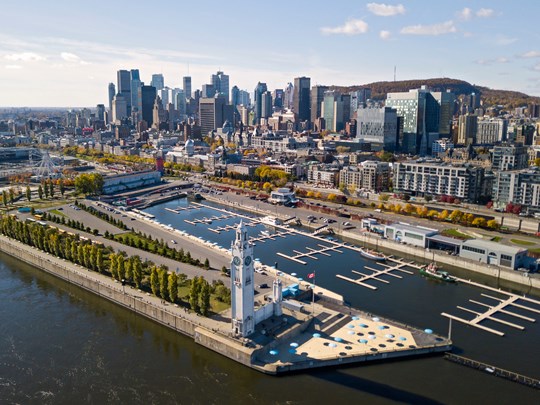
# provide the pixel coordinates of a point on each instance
(236, 260)
(247, 260)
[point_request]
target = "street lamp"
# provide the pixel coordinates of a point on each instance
(123, 286)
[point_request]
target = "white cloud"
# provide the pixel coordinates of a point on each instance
(485, 13)
(351, 27)
(503, 40)
(13, 67)
(502, 59)
(465, 14)
(69, 57)
(24, 57)
(385, 34)
(435, 29)
(385, 10)
(536, 67)
(531, 54)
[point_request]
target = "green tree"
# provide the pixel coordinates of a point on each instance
(479, 222)
(46, 190)
(172, 286)
(137, 271)
(206, 264)
(120, 267)
(62, 187)
(163, 281)
(113, 265)
(40, 192)
(194, 294)
(51, 189)
(100, 261)
(154, 281)
(28, 193)
(204, 299)
(11, 195)
(492, 224)
(4, 198)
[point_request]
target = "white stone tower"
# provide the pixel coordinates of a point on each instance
(242, 288)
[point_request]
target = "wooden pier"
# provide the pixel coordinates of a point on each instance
(272, 236)
(500, 305)
(386, 271)
(311, 253)
(496, 371)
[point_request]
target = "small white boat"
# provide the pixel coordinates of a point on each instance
(372, 255)
(265, 233)
(269, 220)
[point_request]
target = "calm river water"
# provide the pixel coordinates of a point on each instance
(60, 344)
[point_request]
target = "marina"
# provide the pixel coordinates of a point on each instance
(388, 270)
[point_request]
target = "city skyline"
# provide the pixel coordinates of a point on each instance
(68, 55)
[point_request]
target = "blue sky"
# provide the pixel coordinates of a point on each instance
(65, 52)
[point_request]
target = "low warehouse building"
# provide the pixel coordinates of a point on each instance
(493, 253)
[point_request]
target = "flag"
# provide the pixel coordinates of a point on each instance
(311, 275)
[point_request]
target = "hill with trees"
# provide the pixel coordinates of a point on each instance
(491, 97)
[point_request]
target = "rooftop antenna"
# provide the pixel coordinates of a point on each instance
(394, 73)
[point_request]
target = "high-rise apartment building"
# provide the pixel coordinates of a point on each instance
(266, 106)
(301, 98)
(213, 112)
(335, 109)
(221, 84)
(467, 129)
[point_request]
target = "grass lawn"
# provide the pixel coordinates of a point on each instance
(216, 306)
(455, 234)
(496, 239)
(125, 236)
(522, 242)
(534, 250)
(56, 212)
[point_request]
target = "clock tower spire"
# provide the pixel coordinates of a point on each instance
(242, 284)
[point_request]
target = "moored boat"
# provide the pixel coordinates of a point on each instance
(433, 271)
(269, 220)
(372, 255)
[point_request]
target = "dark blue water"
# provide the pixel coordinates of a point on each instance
(60, 344)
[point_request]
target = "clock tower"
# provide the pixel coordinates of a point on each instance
(242, 284)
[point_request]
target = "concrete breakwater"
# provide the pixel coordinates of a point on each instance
(531, 281)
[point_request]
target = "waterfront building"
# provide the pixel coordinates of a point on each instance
(242, 284)
(129, 181)
(495, 253)
(412, 235)
(435, 179)
(509, 157)
(378, 125)
(301, 98)
(517, 187)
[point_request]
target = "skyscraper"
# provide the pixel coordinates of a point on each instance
(208, 90)
(266, 104)
(259, 90)
(135, 87)
(301, 96)
(148, 96)
(288, 96)
(221, 84)
(158, 81)
(187, 86)
(335, 108)
(359, 98)
(112, 93)
(235, 93)
(100, 112)
(213, 112)
(317, 96)
(278, 98)
(123, 78)
(119, 109)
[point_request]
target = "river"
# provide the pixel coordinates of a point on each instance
(60, 344)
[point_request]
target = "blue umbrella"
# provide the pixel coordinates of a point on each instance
(351, 332)
(273, 352)
(293, 351)
(300, 279)
(402, 338)
(362, 325)
(332, 345)
(316, 335)
(381, 327)
(355, 318)
(372, 337)
(363, 341)
(389, 336)
(428, 331)
(294, 344)
(338, 339)
(375, 319)
(351, 326)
